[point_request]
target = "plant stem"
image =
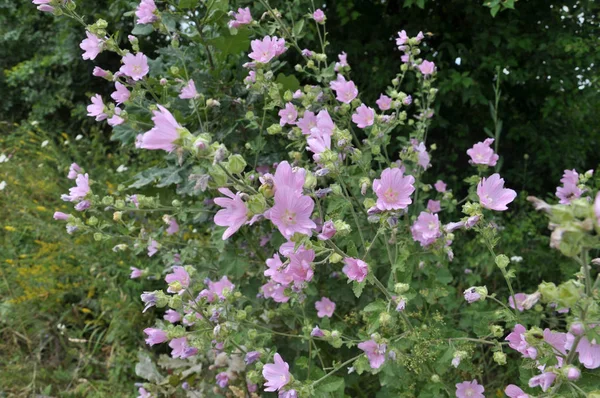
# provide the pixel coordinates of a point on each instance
(314, 383)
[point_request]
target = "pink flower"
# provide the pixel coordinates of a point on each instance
(217, 289)
(427, 68)
(172, 316)
(266, 49)
(155, 336)
(241, 17)
(300, 267)
(43, 5)
(285, 176)
(364, 116)
(291, 213)
(276, 374)
(121, 94)
(471, 295)
(74, 171)
(288, 115)
(222, 379)
(423, 158)
(469, 389)
(277, 272)
(516, 341)
(135, 66)
(520, 298)
(189, 91)
(493, 195)
(96, 109)
(426, 229)
(375, 352)
(318, 144)
(324, 125)
(328, 231)
(343, 57)
(589, 353)
(173, 226)
(135, 273)
(80, 190)
(92, 46)
(164, 133)
(99, 72)
(434, 206)
(60, 216)
(143, 393)
(482, 153)
(178, 280)
(393, 190)
(181, 349)
(355, 269)
(402, 38)
(234, 214)
(307, 122)
(440, 186)
(384, 102)
(325, 307)
(345, 91)
(568, 193)
(275, 291)
(573, 373)
(146, 12)
(513, 391)
(115, 120)
(570, 177)
(319, 16)
(544, 380)
(152, 248)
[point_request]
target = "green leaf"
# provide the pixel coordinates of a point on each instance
(494, 10)
(288, 82)
(232, 44)
(357, 288)
(298, 28)
(332, 384)
(142, 30)
(375, 306)
(188, 3)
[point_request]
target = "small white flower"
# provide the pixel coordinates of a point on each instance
(121, 168)
(45, 143)
(516, 259)
(3, 158)
(457, 61)
(2, 185)
(79, 136)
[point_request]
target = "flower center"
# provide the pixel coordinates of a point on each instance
(469, 393)
(390, 195)
(137, 69)
(289, 218)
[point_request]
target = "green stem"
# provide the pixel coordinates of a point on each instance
(314, 383)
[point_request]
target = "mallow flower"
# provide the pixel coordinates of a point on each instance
(145, 12)
(276, 374)
(121, 94)
(97, 108)
(135, 66)
(178, 280)
(325, 307)
(469, 389)
(364, 116)
(155, 336)
(493, 195)
(426, 229)
(355, 269)
(345, 91)
(189, 91)
(384, 102)
(266, 49)
(544, 380)
(375, 352)
(92, 46)
(427, 68)
(164, 133)
(234, 213)
(482, 153)
(288, 115)
(513, 391)
(291, 212)
(241, 17)
(181, 349)
(393, 189)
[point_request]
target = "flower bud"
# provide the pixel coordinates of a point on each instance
(335, 258)
(549, 292)
(435, 378)
(342, 228)
(497, 331)
(400, 288)
(572, 373)
(385, 318)
(310, 181)
(500, 358)
(274, 129)
(257, 204)
(577, 328)
(117, 215)
(236, 164)
(502, 261)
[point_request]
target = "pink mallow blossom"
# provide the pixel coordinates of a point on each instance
(307, 122)
(74, 171)
(291, 212)
(135, 66)
(116, 119)
(164, 133)
(384, 102)
(288, 115)
(325, 307)
(145, 12)
(434, 206)
(328, 231)
(135, 273)
(92, 46)
(155, 336)
(375, 352)
(181, 349)
(234, 213)
(589, 352)
(482, 153)
(516, 341)
(440, 186)
(80, 190)
(569, 190)
(426, 229)
(393, 190)
(469, 389)
(241, 17)
(266, 49)
(189, 91)
(275, 291)
(345, 91)
(493, 195)
(152, 248)
(343, 61)
(544, 381)
(121, 94)
(355, 269)
(427, 68)
(97, 108)
(276, 374)
(172, 316)
(319, 16)
(217, 289)
(178, 280)
(43, 5)
(364, 116)
(513, 391)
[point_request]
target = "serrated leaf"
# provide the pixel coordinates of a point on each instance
(288, 82)
(357, 288)
(298, 28)
(188, 3)
(332, 384)
(146, 369)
